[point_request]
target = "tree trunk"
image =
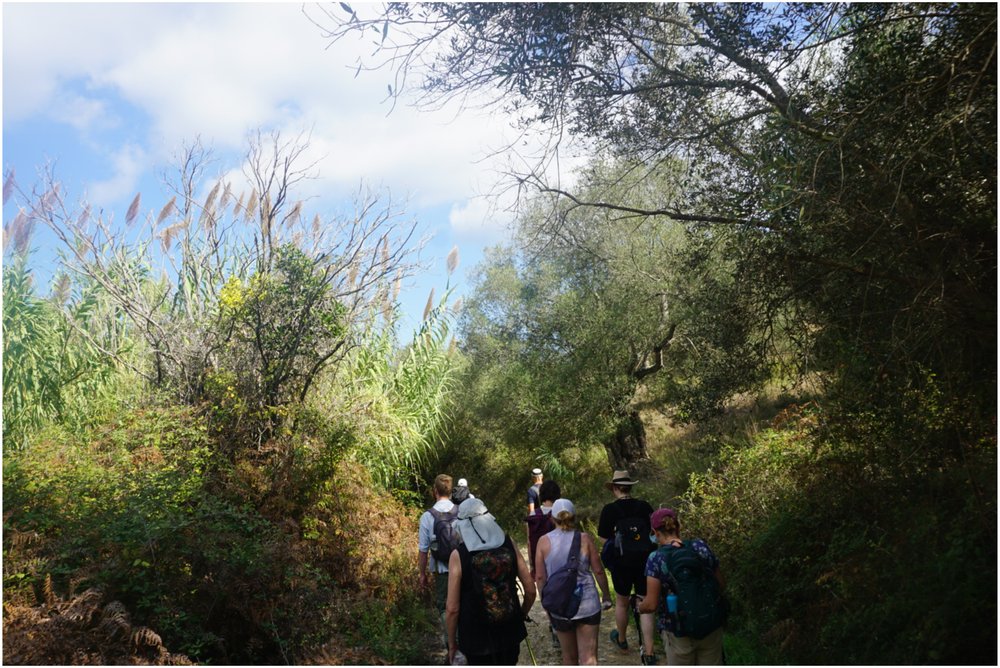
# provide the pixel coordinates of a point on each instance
(628, 444)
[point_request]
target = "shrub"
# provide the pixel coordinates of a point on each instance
(835, 555)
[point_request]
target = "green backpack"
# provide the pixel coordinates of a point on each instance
(701, 607)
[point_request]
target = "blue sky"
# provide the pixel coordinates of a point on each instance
(109, 93)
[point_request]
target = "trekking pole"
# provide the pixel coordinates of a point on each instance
(531, 653)
(634, 604)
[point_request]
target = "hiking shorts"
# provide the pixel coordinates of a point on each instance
(693, 652)
(571, 624)
(629, 573)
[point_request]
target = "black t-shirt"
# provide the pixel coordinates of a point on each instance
(618, 509)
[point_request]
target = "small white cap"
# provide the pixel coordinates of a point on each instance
(462, 482)
(536, 471)
(561, 505)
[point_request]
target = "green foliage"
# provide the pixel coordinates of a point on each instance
(397, 399)
(564, 325)
(147, 509)
(58, 363)
(834, 557)
(290, 323)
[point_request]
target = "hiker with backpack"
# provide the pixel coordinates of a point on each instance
(567, 565)
(625, 521)
(485, 619)
(536, 483)
(684, 586)
(540, 522)
(461, 492)
(436, 540)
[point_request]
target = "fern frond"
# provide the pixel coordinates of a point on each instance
(145, 637)
(50, 594)
(115, 622)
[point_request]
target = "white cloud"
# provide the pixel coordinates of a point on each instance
(45, 45)
(81, 112)
(480, 219)
(128, 163)
(217, 71)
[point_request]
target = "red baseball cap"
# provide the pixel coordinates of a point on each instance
(659, 515)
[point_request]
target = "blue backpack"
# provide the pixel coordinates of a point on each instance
(561, 594)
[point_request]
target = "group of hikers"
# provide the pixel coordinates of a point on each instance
(659, 579)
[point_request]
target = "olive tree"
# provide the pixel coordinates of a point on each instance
(848, 151)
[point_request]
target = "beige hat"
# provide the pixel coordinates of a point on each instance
(620, 478)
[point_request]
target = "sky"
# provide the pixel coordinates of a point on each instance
(109, 93)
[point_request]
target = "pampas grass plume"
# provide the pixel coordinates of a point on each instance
(167, 209)
(8, 186)
(133, 209)
(430, 304)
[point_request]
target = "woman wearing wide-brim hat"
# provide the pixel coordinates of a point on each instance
(626, 522)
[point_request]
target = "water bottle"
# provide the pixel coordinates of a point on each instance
(672, 610)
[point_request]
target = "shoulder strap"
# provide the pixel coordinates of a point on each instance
(574, 550)
(442, 514)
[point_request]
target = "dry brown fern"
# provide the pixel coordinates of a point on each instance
(79, 631)
(115, 623)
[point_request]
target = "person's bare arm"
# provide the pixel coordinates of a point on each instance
(541, 551)
(648, 602)
(597, 568)
(422, 569)
(524, 575)
(453, 603)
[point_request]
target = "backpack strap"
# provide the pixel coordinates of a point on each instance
(443, 514)
(574, 551)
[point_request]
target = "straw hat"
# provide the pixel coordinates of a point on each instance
(620, 478)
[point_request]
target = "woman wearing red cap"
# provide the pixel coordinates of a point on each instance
(687, 571)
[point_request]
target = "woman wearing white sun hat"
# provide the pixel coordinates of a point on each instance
(483, 615)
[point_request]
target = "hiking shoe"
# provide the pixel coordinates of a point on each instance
(622, 644)
(649, 659)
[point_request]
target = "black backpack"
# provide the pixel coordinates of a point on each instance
(445, 538)
(632, 535)
(561, 594)
(701, 607)
(459, 494)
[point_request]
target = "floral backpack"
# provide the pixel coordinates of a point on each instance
(493, 572)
